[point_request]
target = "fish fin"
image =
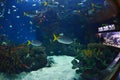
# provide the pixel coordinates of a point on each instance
(55, 37)
(28, 42)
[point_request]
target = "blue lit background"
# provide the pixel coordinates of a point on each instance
(22, 30)
(18, 30)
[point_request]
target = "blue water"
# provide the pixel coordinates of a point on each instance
(19, 29)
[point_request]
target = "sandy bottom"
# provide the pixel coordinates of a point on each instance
(61, 70)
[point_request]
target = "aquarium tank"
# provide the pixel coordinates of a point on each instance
(59, 39)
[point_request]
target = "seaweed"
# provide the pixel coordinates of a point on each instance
(93, 58)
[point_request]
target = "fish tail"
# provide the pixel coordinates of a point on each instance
(28, 42)
(45, 3)
(55, 37)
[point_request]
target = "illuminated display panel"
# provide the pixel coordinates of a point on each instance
(106, 28)
(111, 39)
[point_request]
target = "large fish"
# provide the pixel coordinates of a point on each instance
(34, 43)
(62, 39)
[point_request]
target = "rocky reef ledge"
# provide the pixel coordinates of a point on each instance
(16, 59)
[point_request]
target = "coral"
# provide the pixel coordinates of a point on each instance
(93, 58)
(61, 49)
(87, 53)
(16, 59)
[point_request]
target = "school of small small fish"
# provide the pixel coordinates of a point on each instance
(35, 10)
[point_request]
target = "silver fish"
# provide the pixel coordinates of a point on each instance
(36, 43)
(65, 40)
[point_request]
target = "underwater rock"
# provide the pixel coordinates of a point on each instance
(50, 62)
(21, 58)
